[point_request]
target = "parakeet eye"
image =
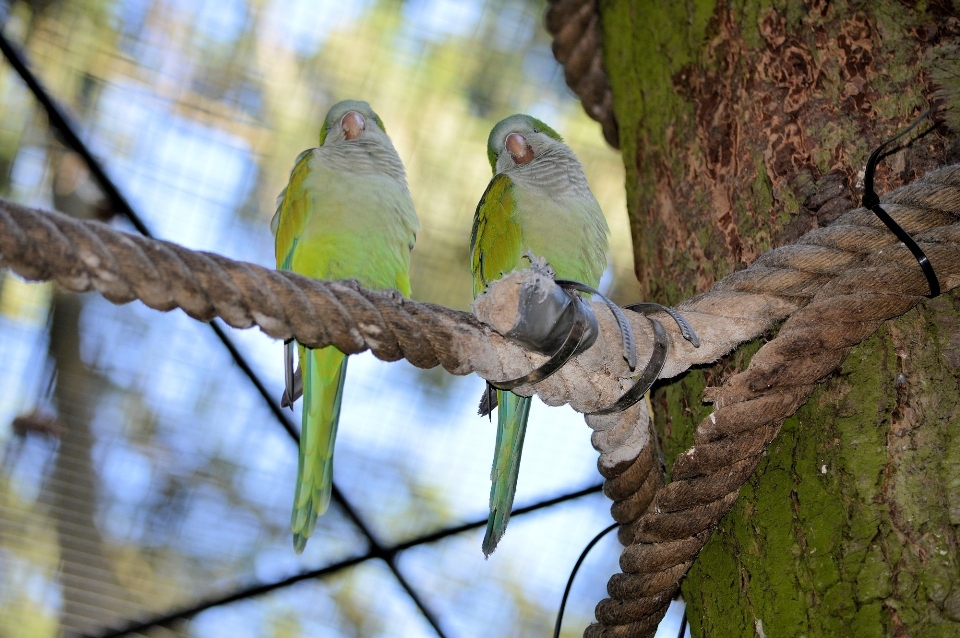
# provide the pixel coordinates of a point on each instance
(519, 150)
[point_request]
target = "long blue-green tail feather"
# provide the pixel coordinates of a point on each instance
(323, 373)
(512, 413)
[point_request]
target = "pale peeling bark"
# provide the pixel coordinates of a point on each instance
(743, 126)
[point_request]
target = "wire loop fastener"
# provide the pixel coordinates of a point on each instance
(871, 201)
(661, 345)
(626, 333)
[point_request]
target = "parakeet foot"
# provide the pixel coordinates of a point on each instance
(293, 381)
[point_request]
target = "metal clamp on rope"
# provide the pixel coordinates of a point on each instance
(561, 325)
(626, 333)
(661, 345)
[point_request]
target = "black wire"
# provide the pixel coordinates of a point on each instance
(576, 567)
(683, 623)
(386, 554)
(872, 201)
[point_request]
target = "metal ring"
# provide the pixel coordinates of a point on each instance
(626, 333)
(661, 344)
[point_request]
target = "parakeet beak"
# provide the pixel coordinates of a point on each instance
(518, 148)
(352, 124)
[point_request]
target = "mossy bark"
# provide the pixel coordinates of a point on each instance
(744, 125)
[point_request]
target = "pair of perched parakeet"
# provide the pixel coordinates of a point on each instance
(347, 214)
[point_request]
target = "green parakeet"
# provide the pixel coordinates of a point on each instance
(346, 213)
(539, 202)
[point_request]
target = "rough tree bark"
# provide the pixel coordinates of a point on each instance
(742, 126)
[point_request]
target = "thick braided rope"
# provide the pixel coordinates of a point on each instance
(867, 281)
(84, 256)
(578, 47)
(779, 283)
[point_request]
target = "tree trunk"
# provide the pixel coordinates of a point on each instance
(93, 597)
(743, 126)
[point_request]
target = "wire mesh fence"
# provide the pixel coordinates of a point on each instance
(143, 475)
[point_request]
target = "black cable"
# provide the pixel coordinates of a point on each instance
(576, 567)
(683, 623)
(872, 201)
(386, 554)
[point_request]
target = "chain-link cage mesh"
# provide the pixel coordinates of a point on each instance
(142, 473)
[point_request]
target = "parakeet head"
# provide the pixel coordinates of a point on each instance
(519, 139)
(351, 120)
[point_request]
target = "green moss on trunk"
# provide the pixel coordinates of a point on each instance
(848, 525)
(744, 125)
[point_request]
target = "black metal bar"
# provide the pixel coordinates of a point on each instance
(61, 122)
(378, 551)
(387, 554)
(232, 597)
(520, 511)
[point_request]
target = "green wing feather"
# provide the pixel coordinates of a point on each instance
(496, 244)
(496, 239)
(292, 211)
(331, 224)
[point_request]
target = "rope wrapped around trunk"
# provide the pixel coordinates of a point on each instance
(837, 284)
(848, 278)
(578, 47)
